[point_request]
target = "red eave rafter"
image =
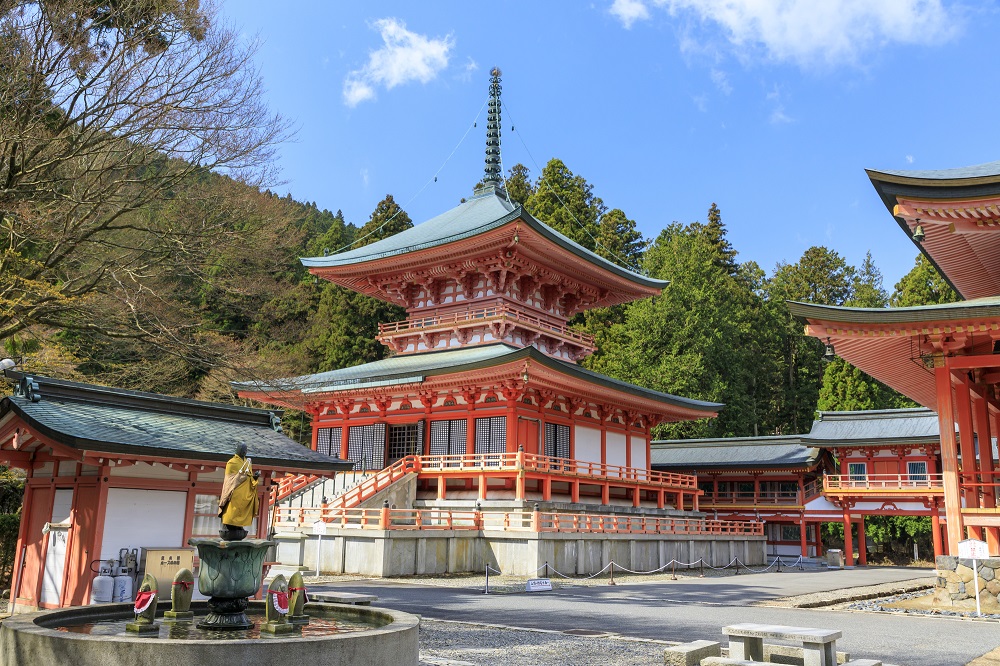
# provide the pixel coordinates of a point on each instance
(509, 374)
(965, 247)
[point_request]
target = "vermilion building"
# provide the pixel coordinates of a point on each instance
(484, 370)
(944, 357)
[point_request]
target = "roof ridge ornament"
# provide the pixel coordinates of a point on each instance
(493, 172)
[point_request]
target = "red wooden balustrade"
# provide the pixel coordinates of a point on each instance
(484, 315)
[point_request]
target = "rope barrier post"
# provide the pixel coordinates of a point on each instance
(737, 560)
(546, 569)
(701, 564)
(487, 590)
(612, 581)
(778, 560)
(673, 569)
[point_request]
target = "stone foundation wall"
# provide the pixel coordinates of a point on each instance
(406, 552)
(956, 587)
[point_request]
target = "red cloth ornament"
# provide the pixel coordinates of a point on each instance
(143, 600)
(280, 601)
(305, 596)
(186, 584)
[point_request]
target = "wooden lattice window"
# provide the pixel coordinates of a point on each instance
(448, 438)
(405, 440)
(491, 435)
(366, 446)
(328, 441)
(557, 440)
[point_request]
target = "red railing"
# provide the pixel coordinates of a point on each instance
(510, 521)
(492, 463)
(762, 498)
(496, 462)
(483, 315)
(287, 485)
(919, 483)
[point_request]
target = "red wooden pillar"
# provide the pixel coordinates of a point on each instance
(803, 537)
(949, 455)
(936, 531)
(981, 419)
(848, 540)
(966, 435)
(345, 433)
(862, 544)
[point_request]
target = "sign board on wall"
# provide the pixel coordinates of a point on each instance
(973, 549)
(539, 585)
(319, 528)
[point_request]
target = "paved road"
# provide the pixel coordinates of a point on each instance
(692, 609)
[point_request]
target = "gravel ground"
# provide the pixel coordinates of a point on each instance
(460, 644)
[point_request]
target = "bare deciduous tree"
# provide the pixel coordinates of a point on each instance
(113, 116)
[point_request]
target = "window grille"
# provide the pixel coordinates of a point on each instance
(790, 533)
(917, 470)
(405, 440)
(366, 446)
(857, 471)
(557, 440)
(491, 436)
(328, 441)
(448, 438)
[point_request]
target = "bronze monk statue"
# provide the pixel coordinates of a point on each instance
(239, 502)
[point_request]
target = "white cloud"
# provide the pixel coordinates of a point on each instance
(701, 102)
(820, 32)
(909, 159)
(404, 57)
(629, 11)
(471, 66)
(721, 81)
(778, 115)
(364, 177)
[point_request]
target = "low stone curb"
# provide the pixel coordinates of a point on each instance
(833, 597)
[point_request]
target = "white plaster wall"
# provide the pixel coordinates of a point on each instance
(67, 468)
(588, 444)
(146, 471)
(143, 519)
(616, 448)
(638, 452)
(62, 505)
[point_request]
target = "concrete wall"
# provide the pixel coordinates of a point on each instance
(402, 552)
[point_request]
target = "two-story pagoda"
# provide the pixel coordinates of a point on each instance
(482, 388)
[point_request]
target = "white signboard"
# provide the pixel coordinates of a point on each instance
(319, 528)
(539, 585)
(973, 549)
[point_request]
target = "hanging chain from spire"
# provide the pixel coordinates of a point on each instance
(494, 173)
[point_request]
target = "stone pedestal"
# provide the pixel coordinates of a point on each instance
(230, 572)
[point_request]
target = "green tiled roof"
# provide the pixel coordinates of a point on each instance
(987, 170)
(115, 421)
(988, 306)
(478, 215)
(414, 368)
(788, 451)
(884, 426)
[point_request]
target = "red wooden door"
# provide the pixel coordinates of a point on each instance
(39, 513)
(527, 435)
(886, 467)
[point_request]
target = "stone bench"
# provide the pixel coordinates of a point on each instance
(746, 642)
(342, 598)
(691, 654)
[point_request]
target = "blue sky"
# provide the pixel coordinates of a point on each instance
(771, 109)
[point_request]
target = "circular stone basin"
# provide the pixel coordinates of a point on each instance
(338, 634)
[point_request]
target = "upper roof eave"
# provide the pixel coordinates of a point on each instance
(974, 309)
(374, 252)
